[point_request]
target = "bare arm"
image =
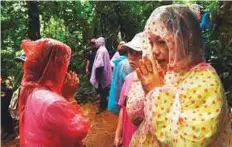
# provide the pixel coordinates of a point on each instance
(118, 133)
(87, 67)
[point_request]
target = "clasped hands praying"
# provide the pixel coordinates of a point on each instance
(148, 74)
(71, 83)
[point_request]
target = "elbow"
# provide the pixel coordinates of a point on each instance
(80, 129)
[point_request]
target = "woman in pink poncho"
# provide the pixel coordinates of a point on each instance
(49, 115)
(126, 128)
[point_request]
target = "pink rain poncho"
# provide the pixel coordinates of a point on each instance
(102, 59)
(128, 127)
(46, 118)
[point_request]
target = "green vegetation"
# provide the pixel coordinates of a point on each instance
(74, 22)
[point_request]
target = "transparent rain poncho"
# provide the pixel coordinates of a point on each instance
(102, 59)
(190, 109)
(46, 118)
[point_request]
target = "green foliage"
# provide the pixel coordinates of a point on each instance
(74, 22)
(68, 21)
(54, 29)
(220, 53)
(209, 6)
(85, 92)
(219, 50)
(13, 30)
(187, 2)
(127, 17)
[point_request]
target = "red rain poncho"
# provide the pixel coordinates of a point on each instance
(46, 118)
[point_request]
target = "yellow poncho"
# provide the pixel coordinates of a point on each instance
(190, 110)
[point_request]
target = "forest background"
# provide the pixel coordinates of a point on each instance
(75, 22)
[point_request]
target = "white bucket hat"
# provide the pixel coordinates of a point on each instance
(136, 42)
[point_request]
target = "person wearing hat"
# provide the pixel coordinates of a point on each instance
(92, 50)
(13, 107)
(125, 127)
(90, 58)
(116, 54)
(6, 120)
(101, 72)
(10, 107)
(21, 58)
(121, 70)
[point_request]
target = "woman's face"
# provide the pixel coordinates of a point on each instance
(160, 50)
(134, 57)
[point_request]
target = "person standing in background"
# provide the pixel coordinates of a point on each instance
(101, 73)
(121, 70)
(13, 107)
(116, 54)
(206, 25)
(7, 131)
(90, 58)
(125, 127)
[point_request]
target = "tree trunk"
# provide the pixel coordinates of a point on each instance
(33, 20)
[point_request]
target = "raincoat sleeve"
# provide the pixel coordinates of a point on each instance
(195, 121)
(122, 98)
(202, 115)
(66, 119)
(135, 103)
(124, 91)
(125, 69)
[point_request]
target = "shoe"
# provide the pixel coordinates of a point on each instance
(4, 135)
(17, 138)
(11, 136)
(98, 97)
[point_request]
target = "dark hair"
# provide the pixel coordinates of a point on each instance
(123, 51)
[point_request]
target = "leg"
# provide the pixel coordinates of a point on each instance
(103, 98)
(7, 122)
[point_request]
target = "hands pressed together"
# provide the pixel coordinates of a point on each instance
(149, 75)
(146, 71)
(71, 83)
